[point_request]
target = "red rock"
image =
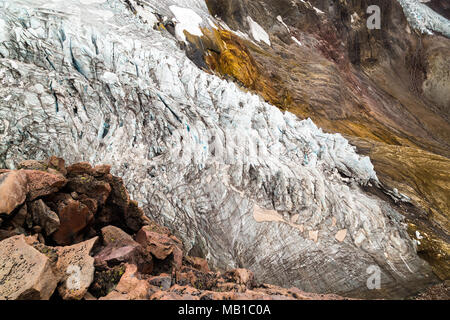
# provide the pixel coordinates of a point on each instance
(42, 183)
(74, 217)
(101, 170)
(79, 168)
(198, 263)
(160, 245)
(32, 165)
(241, 276)
(120, 247)
(112, 235)
(13, 191)
(57, 164)
(135, 217)
(25, 273)
(75, 269)
(130, 286)
(89, 186)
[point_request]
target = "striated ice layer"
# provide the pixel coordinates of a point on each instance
(242, 183)
(424, 19)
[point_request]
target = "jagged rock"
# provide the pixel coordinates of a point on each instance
(74, 216)
(88, 185)
(32, 165)
(114, 235)
(130, 287)
(163, 281)
(241, 276)
(79, 168)
(42, 183)
(75, 269)
(160, 245)
(25, 273)
(13, 191)
(44, 217)
(58, 164)
(198, 263)
(119, 248)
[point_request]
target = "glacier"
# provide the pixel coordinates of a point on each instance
(97, 81)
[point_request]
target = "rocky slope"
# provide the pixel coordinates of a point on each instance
(159, 89)
(62, 237)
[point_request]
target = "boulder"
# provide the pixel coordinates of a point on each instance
(79, 168)
(13, 191)
(75, 269)
(160, 245)
(25, 273)
(163, 281)
(197, 263)
(113, 235)
(32, 165)
(120, 247)
(87, 185)
(241, 276)
(130, 286)
(41, 183)
(44, 217)
(74, 216)
(58, 164)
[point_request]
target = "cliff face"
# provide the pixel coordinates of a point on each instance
(167, 92)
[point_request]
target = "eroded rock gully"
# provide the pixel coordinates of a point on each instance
(135, 84)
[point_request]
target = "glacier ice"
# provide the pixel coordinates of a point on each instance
(93, 81)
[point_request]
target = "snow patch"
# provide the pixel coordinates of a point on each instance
(188, 21)
(258, 33)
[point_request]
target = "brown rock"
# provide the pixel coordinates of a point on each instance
(25, 273)
(198, 263)
(163, 281)
(101, 170)
(32, 165)
(130, 286)
(44, 217)
(119, 195)
(57, 164)
(20, 217)
(160, 245)
(89, 186)
(135, 217)
(79, 168)
(75, 269)
(42, 183)
(120, 247)
(13, 191)
(74, 217)
(113, 235)
(241, 276)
